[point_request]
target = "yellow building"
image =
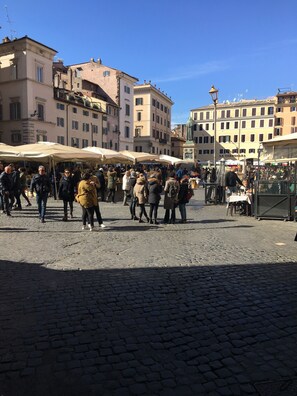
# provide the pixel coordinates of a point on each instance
(152, 120)
(285, 114)
(240, 128)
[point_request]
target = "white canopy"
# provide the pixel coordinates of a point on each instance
(136, 156)
(173, 160)
(108, 156)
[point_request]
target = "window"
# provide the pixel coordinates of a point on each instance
(270, 123)
(39, 74)
(223, 114)
(106, 73)
(200, 139)
(74, 109)
(243, 124)
(74, 142)
(236, 113)
(86, 113)
(139, 101)
(279, 110)
(138, 116)
(262, 110)
(60, 106)
(95, 115)
(127, 132)
(228, 114)
(75, 125)
(234, 151)
(154, 102)
(254, 111)
(244, 112)
(293, 120)
(261, 123)
(86, 127)
(269, 135)
(40, 112)
(242, 151)
(252, 138)
(206, 127)
(61, 139)
(261, 137)
(200, 127)
(251, 151)
(207, 115)
(162, 107)
(16, 137)
(242, 138)
(15, 111)
(127, 89)
(85, 143)
(222, 125)
(235, 138)
(227, 125)
(205, 151)
(293, 108)
(270, 110)
(224, 139)
(205, 139)
(211, 140)
(253, 123)
(200, 152)
(60, 122)
(94, 128)
(127, 112)
(236, 125)
(158, 119)
(201, 116)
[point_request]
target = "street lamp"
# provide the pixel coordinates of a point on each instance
(214, 95)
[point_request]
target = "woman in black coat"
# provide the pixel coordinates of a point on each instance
(184, 195)
(66, 192)
(154, 190)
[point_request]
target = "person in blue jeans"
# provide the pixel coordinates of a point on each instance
(185, 193)
(41, 184)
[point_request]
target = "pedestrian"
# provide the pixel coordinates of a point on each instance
(66, 193)
(171, 198)
(6, 189)
(126, 187)
(154, 197)
(24, 185)
(231, 181)
(100, 176)
(184, 195)
(41, 184)
(1, 196)
(133, 202)
(86, 198)
(112, 178)
(94, 179)
(16, 188)
(140, 193)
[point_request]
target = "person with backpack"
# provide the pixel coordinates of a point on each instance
(184, 195)
(171, 191)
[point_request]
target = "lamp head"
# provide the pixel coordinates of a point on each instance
(214, 94)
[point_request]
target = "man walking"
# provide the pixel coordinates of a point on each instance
(6, 188)
(41, 184)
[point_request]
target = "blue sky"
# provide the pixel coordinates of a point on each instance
(247, 49)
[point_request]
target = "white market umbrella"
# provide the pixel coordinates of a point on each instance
(137, 156)
(108, 156)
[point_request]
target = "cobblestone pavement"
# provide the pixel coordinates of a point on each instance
(203, 308)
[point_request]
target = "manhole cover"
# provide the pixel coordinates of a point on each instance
(277, 388)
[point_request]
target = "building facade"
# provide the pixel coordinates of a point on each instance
(152, 120)
(119, 87)
(178, 139)
(240, 128)
(26, 91)
(285, 113)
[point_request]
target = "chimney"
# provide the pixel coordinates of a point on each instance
(6, 40)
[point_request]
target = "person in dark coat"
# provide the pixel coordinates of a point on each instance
(183, 197)
(6, 188)
(16, 189)
(231, 181)
(171, 190)
(66, 193)
(133, 202)
(41, 184)
(154, 197)
(101, 191)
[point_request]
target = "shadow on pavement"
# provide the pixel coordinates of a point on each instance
(165, 331)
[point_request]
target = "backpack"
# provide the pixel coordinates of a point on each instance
(172, 191)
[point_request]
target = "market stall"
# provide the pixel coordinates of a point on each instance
(275, 196)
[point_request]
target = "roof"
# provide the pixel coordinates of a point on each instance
(286, 138)
(27, 38)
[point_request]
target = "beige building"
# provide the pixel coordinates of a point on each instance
(240, 128)
(26, 92)
(119, 87)
(152, 120)
(286, 113)
(178, 138)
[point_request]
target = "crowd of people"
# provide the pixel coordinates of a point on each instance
(142, 189)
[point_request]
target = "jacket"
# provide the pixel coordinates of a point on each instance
(41, 184)
(66, 189)
(86, 194)
(140, 190)
(126, 185)
(112, 178)
(169, 202)
(5, 182)
(154, 191)
(183, 192)
(231, 179)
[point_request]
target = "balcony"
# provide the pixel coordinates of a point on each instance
(163, 141)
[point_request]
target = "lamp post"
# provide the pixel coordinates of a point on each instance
(214, 95)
